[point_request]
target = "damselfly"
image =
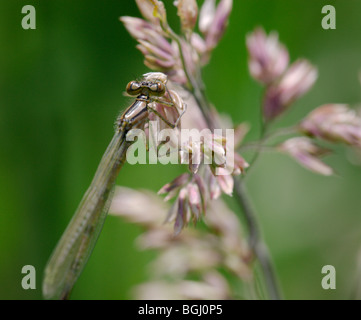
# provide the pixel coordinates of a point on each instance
(77, 242)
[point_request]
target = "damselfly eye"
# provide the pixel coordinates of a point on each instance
(157, 88)
(133, 88)
(153, 87)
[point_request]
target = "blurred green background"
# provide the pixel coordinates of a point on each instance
(61, 89)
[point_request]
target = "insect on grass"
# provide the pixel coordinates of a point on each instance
(77, 243)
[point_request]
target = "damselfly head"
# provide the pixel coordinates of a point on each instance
(150, 85)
